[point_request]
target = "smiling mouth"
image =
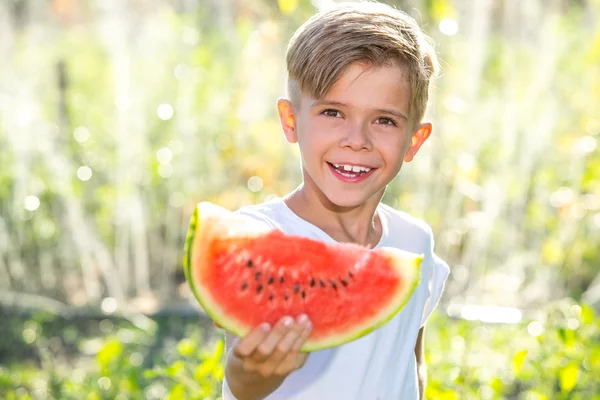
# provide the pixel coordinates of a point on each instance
(351, 171)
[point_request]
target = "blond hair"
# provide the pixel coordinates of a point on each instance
(366, 32)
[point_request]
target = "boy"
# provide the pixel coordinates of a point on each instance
(358, 82)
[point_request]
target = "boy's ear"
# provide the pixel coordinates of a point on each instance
(418, 138)
(287, 118)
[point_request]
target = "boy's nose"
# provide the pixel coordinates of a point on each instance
(357, 138)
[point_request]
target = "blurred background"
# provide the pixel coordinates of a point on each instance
(118, 116)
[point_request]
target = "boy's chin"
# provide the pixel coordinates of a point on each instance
(344, 200)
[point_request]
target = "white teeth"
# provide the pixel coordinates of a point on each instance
(351, 168)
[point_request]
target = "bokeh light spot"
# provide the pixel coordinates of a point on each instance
(535, 328)
(586, 144)
(177, 199)
(29, 335)
(81, 134)
(32, 203)
(106, 325)
(573, 323)
(109, 305)
(84, 173)
(165, 112)
(448, 27)
(104, 383)
(136, 359)
(255, 184)
(164, 155)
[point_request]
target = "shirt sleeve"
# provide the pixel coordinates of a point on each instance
(437, 280)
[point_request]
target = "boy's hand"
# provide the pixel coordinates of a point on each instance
(274, 352)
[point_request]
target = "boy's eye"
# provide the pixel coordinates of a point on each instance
(386, 121)
(332, 113)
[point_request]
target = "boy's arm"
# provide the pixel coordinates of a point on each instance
(421, 366)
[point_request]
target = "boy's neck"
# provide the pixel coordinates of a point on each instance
(360, 225)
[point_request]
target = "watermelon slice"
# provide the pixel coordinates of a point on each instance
(244, 273)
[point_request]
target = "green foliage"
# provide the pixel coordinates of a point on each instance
(114, 360)
(558, 360)
(550, 355)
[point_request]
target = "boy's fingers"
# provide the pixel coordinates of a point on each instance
(287, 342)
(303, 336)
(265, 349)
(248, 344)
(294, 359)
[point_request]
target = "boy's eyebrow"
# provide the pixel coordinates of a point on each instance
(395, 113)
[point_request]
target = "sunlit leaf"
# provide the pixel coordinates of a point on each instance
(109, 352)
(587, 314)
(517, 361)
(568, 377)
(186, 347)
(176, 368)
(552, 252)
(203, 370)
(535, 395)
(177, 393)
(441, 9)
(287, 6)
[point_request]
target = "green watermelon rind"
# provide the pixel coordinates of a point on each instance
(210, 307)
(401, 259)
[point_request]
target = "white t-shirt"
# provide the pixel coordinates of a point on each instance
(382, 364)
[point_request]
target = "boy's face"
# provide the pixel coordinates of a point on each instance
(353, 141)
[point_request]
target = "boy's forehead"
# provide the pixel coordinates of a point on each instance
(367, 85)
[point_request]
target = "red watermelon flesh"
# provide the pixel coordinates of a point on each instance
(244, 273)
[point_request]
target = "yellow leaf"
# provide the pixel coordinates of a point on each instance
(177, 393)
(287, 6)
(568, 377)
(517, 362)
(552, 252)
(186, 347)
(110, 352)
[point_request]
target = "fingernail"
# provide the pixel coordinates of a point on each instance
(287, 321)
(307, 325)
(265, 327)
(302, 318)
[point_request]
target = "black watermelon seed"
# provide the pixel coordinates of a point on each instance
(285, 296)
(322, 283)
(244, 286)
(271, 280)
(350, 274)
(257, 275)
(271, 296)
(281, 279)
(249, 264)
(303, 294)
(259, 288)
(344, 283)
(312, 282)
(333, 285)
(296, 288)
